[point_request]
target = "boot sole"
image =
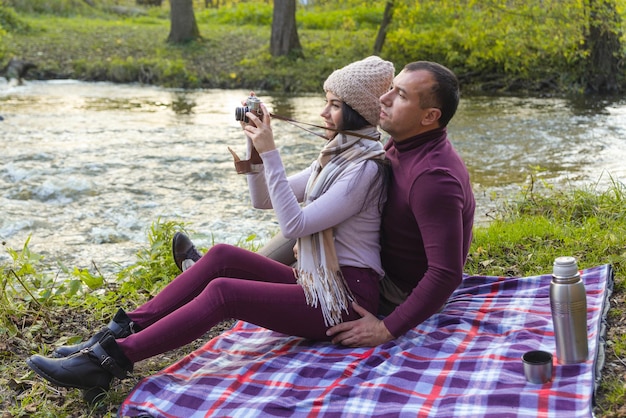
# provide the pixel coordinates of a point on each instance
(41, 373)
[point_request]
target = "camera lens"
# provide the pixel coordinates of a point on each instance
(240, 113)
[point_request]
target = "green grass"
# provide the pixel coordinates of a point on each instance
(539, 226)
(133, 49)
(43, 305)
(124, 52)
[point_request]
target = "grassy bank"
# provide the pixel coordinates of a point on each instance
(44, 306)
(120, 42)
(133, 49)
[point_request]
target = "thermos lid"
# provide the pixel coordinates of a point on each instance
(565, 267)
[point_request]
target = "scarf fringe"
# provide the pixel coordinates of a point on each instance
(318, 270)
(329, 290)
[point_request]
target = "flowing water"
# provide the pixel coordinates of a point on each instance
(88, 167)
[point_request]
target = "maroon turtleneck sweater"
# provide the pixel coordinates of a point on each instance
(427, 225)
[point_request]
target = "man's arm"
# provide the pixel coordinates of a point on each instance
(437, 202)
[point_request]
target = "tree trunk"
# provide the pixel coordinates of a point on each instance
(183, 26)
(284, 39)
(382, 31)
(602, 41)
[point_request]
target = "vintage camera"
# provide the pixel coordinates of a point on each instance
(253, 104)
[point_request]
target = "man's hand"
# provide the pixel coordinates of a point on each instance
(368, 331)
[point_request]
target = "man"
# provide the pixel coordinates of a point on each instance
(428, 218)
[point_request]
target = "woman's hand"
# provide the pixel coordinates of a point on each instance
(260, 131)
(244, 103)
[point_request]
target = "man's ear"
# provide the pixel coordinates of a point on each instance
(432, 116)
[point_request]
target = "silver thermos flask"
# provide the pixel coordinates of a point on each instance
(568, 302)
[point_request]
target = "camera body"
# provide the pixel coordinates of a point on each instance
(253, 104)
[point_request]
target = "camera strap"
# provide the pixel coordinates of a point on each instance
(298, 123)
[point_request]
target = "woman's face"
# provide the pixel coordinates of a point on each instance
(332, 114)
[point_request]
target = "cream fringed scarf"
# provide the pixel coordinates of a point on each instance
(318, 269)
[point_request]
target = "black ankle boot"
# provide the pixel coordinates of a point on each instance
(120, 326)
(183, 250)
(91, 369)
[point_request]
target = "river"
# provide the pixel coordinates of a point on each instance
(88, 167)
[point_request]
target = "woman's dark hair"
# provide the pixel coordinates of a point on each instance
(352, 120)
(382, 178)
(445, 93)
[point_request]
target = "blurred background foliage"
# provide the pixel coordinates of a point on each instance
(538, 41)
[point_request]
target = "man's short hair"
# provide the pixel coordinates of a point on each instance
(445, 93)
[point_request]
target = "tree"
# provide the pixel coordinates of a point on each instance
(284, 39)
(602, 42)
(183, 26)
(382, 31)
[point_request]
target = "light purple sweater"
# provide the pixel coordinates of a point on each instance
(351, 206)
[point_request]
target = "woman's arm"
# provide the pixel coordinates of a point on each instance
(344, 199)
(259, 193)
(259, 135)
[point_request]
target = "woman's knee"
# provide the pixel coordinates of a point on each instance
(221, 256)
(220, 250)
(224, 293)
(220, 287)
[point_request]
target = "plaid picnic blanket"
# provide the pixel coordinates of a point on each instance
(463, 361)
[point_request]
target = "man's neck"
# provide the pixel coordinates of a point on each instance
(417, 132)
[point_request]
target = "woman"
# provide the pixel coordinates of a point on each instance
(338, 247)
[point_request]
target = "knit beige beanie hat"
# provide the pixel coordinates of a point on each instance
(361, 84)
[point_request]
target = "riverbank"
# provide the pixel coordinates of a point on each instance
(107, 51)
(129, 46)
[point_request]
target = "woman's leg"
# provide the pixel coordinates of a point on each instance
(220, 261)
(280, 306)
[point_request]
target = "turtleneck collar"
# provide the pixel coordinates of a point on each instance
(418, 140)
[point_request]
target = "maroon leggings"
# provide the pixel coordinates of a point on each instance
(232, 283)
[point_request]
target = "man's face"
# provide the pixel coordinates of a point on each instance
(402, 115)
